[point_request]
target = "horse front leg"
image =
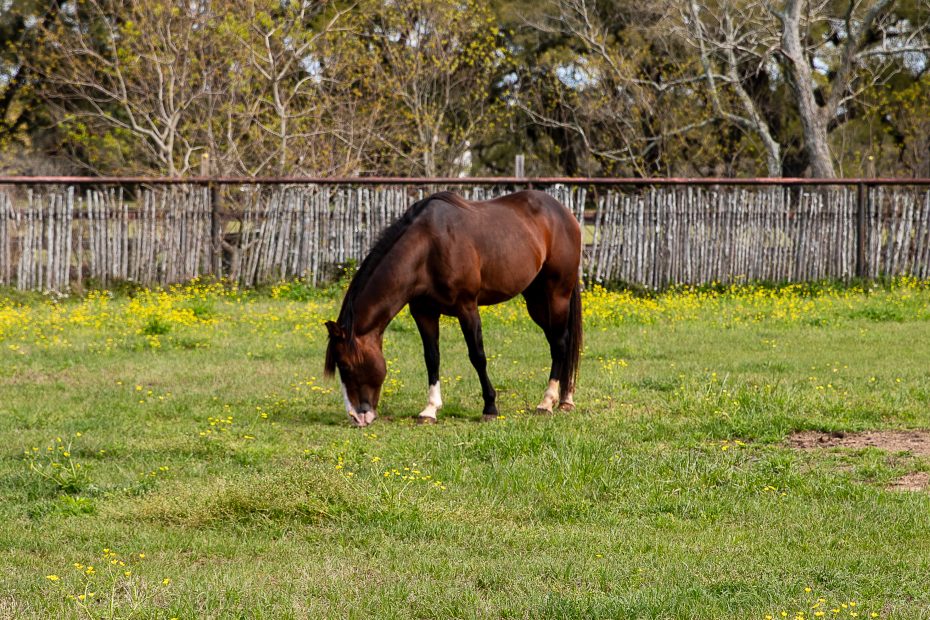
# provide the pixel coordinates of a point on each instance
(470, 321)
(428, 326)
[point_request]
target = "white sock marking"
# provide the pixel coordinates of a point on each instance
(433, 402)
(551, 397)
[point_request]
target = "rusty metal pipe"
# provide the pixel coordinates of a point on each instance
(516, 181)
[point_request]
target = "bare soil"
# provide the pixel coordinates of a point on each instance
(916, 442)
(914, 481)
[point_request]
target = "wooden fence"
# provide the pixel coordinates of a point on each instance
(62, 236)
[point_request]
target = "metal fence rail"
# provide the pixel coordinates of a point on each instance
(61, 233)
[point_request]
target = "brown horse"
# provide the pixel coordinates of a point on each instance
(446, 255)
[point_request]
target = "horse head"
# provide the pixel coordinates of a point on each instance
(361, 371)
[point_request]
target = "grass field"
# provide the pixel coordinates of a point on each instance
(178, 454)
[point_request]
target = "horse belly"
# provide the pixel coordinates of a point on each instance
(506, 274)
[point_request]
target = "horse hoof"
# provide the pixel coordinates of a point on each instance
(489, 417)
(566, 406)
(543, 411)
(425, 419)
(362, 420)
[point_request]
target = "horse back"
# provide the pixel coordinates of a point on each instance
(493, 250)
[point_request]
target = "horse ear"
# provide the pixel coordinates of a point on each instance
(334, 330)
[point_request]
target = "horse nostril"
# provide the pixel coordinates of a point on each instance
(364, 407)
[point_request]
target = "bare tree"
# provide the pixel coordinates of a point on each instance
(281, 123)
(596, 94)
(628, 90)
(425, 69)
(826, 57)
(734, 42)
(133, 68)
(154, 84)
(859, 50)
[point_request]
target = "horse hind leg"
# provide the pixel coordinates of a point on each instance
(567, 400)
(558, 391)
(551, 313)
(573, 342)
(550, 397)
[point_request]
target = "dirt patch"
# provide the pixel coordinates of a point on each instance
(915, 481)
(915, 442)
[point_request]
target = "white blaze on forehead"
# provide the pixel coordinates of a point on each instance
(434, 402)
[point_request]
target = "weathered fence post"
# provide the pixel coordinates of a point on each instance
(216, 231)
(216, 240)
(862, 204)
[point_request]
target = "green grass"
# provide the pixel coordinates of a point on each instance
(670, 493)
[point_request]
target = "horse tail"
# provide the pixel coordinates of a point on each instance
(574, 338)
(329, 366)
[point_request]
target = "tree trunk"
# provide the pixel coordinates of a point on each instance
(817, 146)
(813, 117)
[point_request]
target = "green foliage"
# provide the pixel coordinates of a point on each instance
(410, 88)
(156, 326)
(56, 465)
(427, 70)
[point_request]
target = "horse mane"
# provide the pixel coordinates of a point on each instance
(379, 250)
